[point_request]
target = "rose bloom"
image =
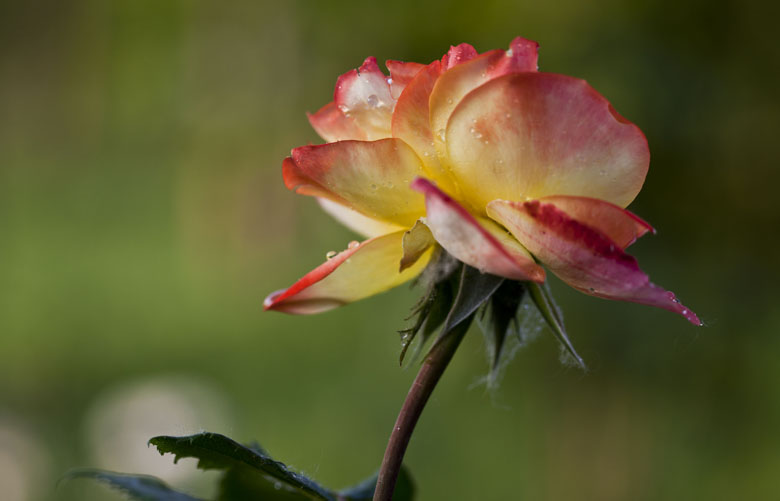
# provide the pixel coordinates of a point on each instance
(504, 167)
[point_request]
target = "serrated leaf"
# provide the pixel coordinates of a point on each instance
(137, 487)
(364, 491)
(549, 310)
(474, 288)
(215, 451)
(239, 484)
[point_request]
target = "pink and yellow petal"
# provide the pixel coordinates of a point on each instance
(364, 96)
(369, 177)
(410, 123)
(360, 271)
(461, 79)
(331, 124)
(530, 135)
(582, 256)
(355, 221)
(619, 225)
(477, 242)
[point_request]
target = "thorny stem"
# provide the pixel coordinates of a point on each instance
(430, 373)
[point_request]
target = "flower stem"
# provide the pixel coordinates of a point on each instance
(431, 371)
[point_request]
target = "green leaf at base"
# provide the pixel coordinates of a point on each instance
(249, 466)
(138, 487)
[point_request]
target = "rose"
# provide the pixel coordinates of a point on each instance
(502, 166)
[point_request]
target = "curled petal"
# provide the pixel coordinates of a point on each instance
(369, 177)
(477, 242)
(458, 54)
(355, 221)
(619, 225)
(360, 271)
(529, 135)
(582, 256)
(401, 73)
(364, 96)
(459, 80)
(415, 242)
(331, 124)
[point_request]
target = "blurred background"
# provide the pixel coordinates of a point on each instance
(143, 219)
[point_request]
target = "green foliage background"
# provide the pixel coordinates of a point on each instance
(143, 219)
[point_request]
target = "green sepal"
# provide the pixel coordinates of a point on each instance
(430, 313)
(502, 313)
(474, 289)
(546, 305)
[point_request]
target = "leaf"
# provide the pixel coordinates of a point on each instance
(364, 491)
(549, 310)
(215, 451)
(474, 288)
(238, 484)
(139, 487)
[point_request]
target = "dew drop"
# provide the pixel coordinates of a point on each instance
(449, 101)
(509, 53)
(389, 81)
(474, 132)
(441, 134)
(330, 254)
(373, 101)
(277, 485)
(353, 244)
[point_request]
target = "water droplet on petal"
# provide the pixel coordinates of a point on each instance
(353, 244)
(330, 254)
(373, 101)
(389, 81)
(441, 134)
